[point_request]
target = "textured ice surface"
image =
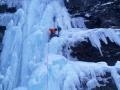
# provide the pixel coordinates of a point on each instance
(30, 61)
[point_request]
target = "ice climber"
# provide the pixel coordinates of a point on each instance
(54, 32)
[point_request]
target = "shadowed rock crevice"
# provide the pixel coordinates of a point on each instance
(2, 31)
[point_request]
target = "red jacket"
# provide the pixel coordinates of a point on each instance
(52, 30)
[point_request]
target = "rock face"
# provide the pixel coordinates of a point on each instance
(84, 51)
(98, 13)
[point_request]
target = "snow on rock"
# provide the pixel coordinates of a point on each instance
(94, 35)
(107, 3)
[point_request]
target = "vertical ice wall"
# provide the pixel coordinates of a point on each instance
(25, 40)
(39, 19)
(29, 60)
(11, 54)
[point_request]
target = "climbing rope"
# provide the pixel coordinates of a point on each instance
(47, 65)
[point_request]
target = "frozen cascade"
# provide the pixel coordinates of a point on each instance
(29, 62)
(11, 55)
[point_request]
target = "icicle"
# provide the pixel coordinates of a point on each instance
(24, 56)
(116, 77)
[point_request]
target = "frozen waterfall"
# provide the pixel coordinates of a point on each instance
(30, 61)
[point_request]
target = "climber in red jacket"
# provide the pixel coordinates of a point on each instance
(54, 32)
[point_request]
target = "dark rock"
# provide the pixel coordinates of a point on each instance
(102, 13)
(2, 28)
(4, 8)
(11, 10)
(2, 31)
(84, 51)
(93, 23)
